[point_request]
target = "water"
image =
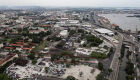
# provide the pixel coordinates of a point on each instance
(126, 23)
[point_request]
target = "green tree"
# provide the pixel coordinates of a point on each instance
(98, 55)
(130, 77)
(100, 76)
(93, 40)
(100, 66)
(4, 77)
(80, 31)
(109, 71)
(122, 51)
(129, 68)
(34, 62)
(110, 52)
(71, 78)
(31, 56)
(72, 32)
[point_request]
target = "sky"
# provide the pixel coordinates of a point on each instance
(72, 3)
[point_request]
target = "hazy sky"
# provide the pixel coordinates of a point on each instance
(74, 3)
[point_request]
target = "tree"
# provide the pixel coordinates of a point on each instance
(31, 56)
(48, 33)
(122, 51)
(128, 54)
(98, 55)
(73, 60)
(110, 52)
(57, 38)
(109, 71)
(46, 69)
(9, 40)
(72, 32)
(100, 76)
(93, 40)
(129, 68)
(84, 45)
(71, 78)
(106, 47)
(4, 77)
(100, 66)
(4, 67)
(80, 31)
(54, 57)
(34, 62)
(130, 77)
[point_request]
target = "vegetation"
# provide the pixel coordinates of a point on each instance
(98, 55)
(128, 54)
(100, 66)
(100, 76)
(72, 32)
(34, 62)
(4, 77)
(137, 58)
(94, 41)
(130, 77)
(62, 55)
(122, 51)
(81, 31)
(110, 52)
(129, 68)
(41, 45)
(109, 71)
(31, 56)
(36, 38)
(138, 32)
(60, 45)
(57, 38)
(84, 45)
(3, 68)
(106, 47)
(71, 78)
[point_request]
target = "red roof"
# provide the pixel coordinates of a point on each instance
(7, 58)
(116, 25)
(27, 48)
(9, 47)
(16, 45)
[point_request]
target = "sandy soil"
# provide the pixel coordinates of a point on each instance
(86, 70)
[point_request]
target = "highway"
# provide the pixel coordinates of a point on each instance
(115, 63)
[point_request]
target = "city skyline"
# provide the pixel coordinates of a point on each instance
(72, 3)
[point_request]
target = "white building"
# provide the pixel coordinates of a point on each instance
(83, 51)
(64, 33)
(1, 45)
(104, 31)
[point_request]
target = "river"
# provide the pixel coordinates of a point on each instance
(125, 22)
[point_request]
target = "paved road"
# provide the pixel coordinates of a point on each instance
(115, 64)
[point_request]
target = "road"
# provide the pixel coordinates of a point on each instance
(115, 63)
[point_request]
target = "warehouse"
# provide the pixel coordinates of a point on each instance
(104, 31)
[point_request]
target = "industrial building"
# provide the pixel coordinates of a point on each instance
(104, 31)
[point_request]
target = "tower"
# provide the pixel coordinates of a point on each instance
(136, 30)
